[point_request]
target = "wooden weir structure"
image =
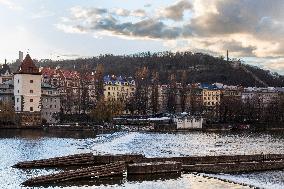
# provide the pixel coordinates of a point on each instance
(98, 166)
(86, 159)
(113, 169)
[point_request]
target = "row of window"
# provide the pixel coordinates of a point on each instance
(211, 94)
(210, 103)
(31, 81)
(212, 98)
(31, 109)
(31, 91)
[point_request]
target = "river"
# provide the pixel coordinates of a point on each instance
(17, 145)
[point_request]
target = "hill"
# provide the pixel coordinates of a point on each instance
(199, 67)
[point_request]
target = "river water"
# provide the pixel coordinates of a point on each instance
(18, 146)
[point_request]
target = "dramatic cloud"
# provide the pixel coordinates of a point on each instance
(176, 11)
(247, 28)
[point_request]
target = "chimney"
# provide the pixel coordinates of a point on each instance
(5, 61)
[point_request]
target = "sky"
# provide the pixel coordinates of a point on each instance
(252, 30)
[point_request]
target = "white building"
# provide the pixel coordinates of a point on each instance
(186, 121)
(27, 92)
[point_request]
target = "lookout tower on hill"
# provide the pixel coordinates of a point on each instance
(27, 92)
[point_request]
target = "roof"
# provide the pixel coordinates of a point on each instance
(28, 67)
(114, 80)
(49, 72)
(208, 86)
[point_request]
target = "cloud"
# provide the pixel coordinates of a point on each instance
(247, 28)
(85, 13)
(139, 13)
(272, 64)
(148, 28)
(238, 48)
(176, 11)
(122, 12)
(70, 28)
(93, 19)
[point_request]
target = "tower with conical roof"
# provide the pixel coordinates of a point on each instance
(27, 92)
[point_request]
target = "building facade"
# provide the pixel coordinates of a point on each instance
(50, 103)
(27, 93)
(211, 95)
(5, 74)
(118, 88)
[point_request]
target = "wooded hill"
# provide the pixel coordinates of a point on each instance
(199, 67)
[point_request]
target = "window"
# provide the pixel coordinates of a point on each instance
(18, 81)
(17, 108)
(31, 81)
(18, 91)
(50, 106)
(54, 106)
(31, 100)
(31, 109)
(17, 99)
(31, 91)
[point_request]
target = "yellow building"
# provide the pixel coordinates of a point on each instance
(118, 88)
(211, 95)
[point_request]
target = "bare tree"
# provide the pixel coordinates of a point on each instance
(155, 92)
(183, 92)
(171, 94)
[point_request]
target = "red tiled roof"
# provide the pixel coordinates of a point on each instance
(63, 73)
(28, 67)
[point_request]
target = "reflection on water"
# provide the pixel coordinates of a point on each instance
(39, 133)
(20, 145)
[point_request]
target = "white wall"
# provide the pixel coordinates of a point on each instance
(22, 87)
(187, 123)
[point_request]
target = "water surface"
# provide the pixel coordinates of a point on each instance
(29, 145)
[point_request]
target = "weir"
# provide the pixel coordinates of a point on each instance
(108, 170)
(134, 164)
